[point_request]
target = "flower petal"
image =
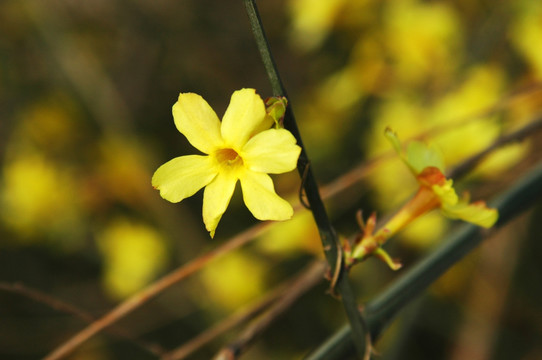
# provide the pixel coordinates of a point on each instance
(244, 115)
(446, 193)
(271, 151)
(261, 199)
(196, 120)
(477, 213)
(216, 197)
(183, 176)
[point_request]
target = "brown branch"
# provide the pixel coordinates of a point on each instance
(62, 306)
(236, 319)
(503, 102)
(518, 135)
(151, 292)
(306, 280)
(232, 321)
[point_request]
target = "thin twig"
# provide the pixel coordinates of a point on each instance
(308, 278)
(46, 299)
(150, 292)
(493, 109)
(330, 242)
(518, 135)
(63, 306)
(234, 320)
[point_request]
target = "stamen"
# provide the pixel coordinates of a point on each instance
(228, 157)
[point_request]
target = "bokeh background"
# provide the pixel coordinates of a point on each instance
(86, 89)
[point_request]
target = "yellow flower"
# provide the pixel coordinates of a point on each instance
(435, 191)
(426, 165)
(241, 147)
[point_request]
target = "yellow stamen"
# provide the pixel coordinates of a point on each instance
(228, 157)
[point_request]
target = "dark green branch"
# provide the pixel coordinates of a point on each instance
(382, 310)
(328, 236)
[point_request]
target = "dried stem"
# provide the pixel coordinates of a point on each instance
(150, 292)
(67, 308)
(308, 278)
(235, 319)
(518, 135)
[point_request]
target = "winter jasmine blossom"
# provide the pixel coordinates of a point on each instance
(240, 147)
(435, 191)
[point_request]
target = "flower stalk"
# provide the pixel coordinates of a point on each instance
(435, 191)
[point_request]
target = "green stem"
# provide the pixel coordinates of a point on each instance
(382, 310)
(328, 236)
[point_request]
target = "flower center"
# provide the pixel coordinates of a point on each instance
(228, 157)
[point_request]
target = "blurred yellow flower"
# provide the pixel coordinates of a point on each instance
(435, 191)
(426, 165)
(526, 31)
(133, 255)
(241, 147)
(423, 39)
(39, 197)
(233, 280)
(457, 117)
(312, 20)
(300, 235)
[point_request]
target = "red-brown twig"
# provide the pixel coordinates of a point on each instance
(503, 102)
(308, 278)
(150, 292)
(246, 314)
(518, 135)
(65, 307)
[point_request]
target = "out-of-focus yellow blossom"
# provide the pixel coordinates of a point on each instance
(424, 232)
(499, 160)
(481, 89)
(312, 20)
(233, 280)
(241, 147)
(39, 198)
(422, 38)
(365, 74)
(133, 255)
(39, 186)
(291, 237)
(526, 33)
(435, 191)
